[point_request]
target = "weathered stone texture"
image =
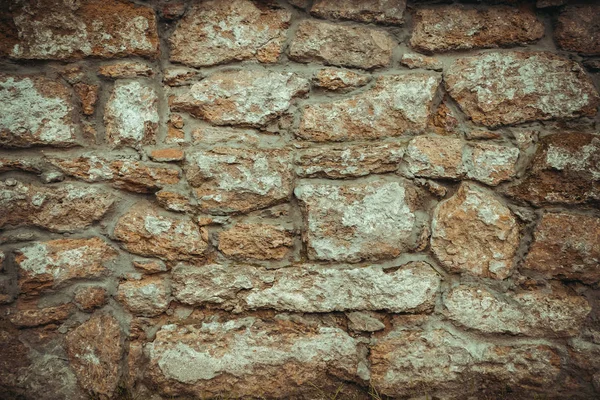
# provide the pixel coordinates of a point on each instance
(52, 264)
(30, 315)
(474, 233)
(502, 88)
(309, 288)
(378, 11)
(338, 79)
(564, 170)
(121, 172)
(247, 98)
(358, 221)
(397, 105)
(453, 27)
(534, 313)
(125, 69)
(35, 111)
(404, 362)
(256, 242)
(232, 180)
(142, 230)
(414, 60)
(217, 32)
(131, 115)
(345, 161)
(249, 358)
(88, 96)
(149, 296)
(62, 29)
(344, 46)
(566, 246)
(577, 29)
(88, 298)
(64, 208)
(95, 349)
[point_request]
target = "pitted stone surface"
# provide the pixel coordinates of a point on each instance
(232, 180)
(397, 105)
(503, 88)
(94, 349)
(344, 161)
(378, 11)
(250, 358)
(53, 264)
(566, 246)
(564, 170)
(121, 172)
(474, 233)
(131, 115)
(35, 111)
(454, 27)
(144, 231)
(217, 32)
(339, 79)
(309, 288)
(358, 221)
(149, 296)
(63, 29)
(344, 46)
(404, 362)
(247, 98)
(56, 208)
(256, 242)
(532, 313)
(577, 29)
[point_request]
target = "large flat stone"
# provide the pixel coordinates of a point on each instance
(577, 29)
(63, 29)
(247, 98)
(397, 105)
(503, 88)
(35, 111)
(233, 180)
(358, 221)
(378, 11)
(251, 358)
(458, 27)
(309, 288)
(217, 32)
(341, 45)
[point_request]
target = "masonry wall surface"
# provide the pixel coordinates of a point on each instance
(299, 199)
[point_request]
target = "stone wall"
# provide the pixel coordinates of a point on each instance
(299, 199)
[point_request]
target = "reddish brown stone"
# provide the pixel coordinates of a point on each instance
(55, 263)
(89, 298)
(19, 164)
(28, 315)
(149, 296)
(578, 29)
(122, 173)
(454, 27)
(397, 105)
(125, 69)
(144, 231)
(216, 32)
(564, 170)
(150, 266)
(566, 246)
(347, 46)
(251, 358)
(337, 79)
(88, 95)
(35, 111)
(378, 11)
(503, 88)
(95, 349)
(65, 208)
(61, 29)
(256, 242)
(233, 180)
(166, 155)
(475, 233)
